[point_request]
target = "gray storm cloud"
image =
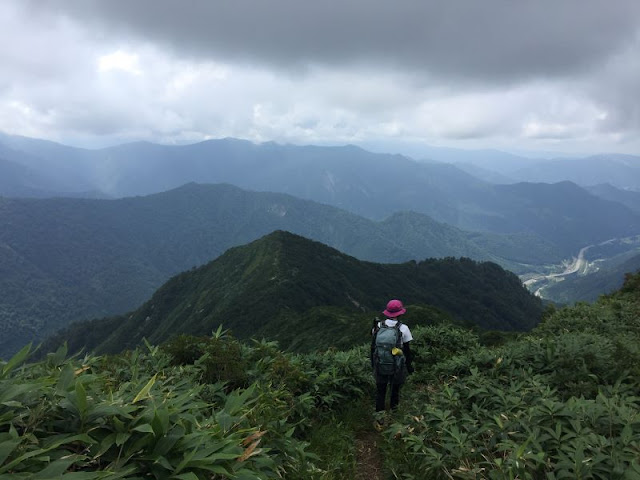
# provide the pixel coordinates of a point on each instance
(491, 39)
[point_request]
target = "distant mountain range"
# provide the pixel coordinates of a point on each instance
(371, 185)
(620, 171)
(71, 259)
(607, 191)
(307, 295)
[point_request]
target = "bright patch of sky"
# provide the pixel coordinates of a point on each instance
(119, 60)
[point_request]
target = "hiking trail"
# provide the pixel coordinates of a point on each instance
(368, 462)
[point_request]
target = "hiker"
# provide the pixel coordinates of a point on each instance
(390, 354)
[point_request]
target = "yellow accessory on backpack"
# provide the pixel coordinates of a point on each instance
(396, 351)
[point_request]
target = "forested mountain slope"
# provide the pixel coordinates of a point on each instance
(306, 296)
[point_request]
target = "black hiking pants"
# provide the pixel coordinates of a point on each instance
(381, 392)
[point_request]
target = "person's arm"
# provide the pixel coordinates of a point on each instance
(373, 349)
(406, 349)
(374, 332)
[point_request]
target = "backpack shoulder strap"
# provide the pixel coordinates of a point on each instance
(397, 327)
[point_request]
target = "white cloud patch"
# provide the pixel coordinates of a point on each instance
(119, 60)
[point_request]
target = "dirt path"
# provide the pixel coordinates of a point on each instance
(369, 463)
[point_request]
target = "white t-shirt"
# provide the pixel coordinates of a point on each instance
(406, 333)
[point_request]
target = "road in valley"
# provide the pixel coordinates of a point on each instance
(578, 264)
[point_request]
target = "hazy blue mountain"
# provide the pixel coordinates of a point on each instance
(63, 169)
(621, 171)
(17, 180)
(628, 198)
(485, 174)
(501, 163)
(564, 214)
(307, 295)
(371, 185)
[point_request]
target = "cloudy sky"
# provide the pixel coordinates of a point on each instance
(552, 75)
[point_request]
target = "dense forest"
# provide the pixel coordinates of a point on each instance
(558, 402)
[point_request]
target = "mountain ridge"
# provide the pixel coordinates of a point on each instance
(282, 286)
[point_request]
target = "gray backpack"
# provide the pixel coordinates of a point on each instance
(389, 339)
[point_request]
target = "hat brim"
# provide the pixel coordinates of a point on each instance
(394, 314)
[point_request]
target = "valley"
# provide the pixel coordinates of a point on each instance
(548, 281)
(536, 282)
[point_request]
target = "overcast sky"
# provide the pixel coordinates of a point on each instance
(552, 75)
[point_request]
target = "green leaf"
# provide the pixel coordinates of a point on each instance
(121, 438)
(164, 462)
(6, 448)
(50, 444)
(66, 378)
(160, 422)
(145, 428)
(56, 440)
(166, 443)
(142, 443)
(185, 461)
(107, 442)
(186, 476)
(16, 360)
(100, 411)
(633, 472)
(236, 401)
(12, 391)
(57, 467)
(214, 468)
(81, 399)
(145, 390)
(225, 420)
(58, 357)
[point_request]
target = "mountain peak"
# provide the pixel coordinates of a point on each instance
(305, 294)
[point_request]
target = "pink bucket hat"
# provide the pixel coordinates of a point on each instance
(394, 309)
